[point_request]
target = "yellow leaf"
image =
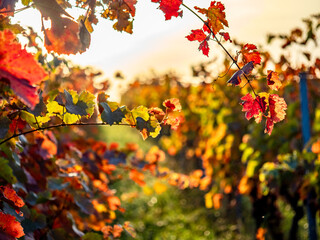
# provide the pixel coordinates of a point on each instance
(159, 187)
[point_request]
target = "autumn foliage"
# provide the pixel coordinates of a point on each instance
(56, 179)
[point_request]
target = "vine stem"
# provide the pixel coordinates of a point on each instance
(224, 49)
(61, 125)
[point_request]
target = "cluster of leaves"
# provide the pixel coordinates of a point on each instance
(67, 36)
(232, 156)
(66, 177)
(52, 185)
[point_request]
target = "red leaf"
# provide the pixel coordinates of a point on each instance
(251, 54)
(197, 35)
(20, 68)
(173, 104)
(226, 36)
(273, 80)
(10, 225)
(277, 108)
(204, 46)
(170, 8)
(216, 16)
(137, 177)
(131, 4)
(11, 195)
(253, 106)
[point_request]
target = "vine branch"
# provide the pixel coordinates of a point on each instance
(61, 125)
(221, 45)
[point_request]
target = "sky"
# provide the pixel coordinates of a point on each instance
(161, 45)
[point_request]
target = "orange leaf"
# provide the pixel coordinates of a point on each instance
(137, 176)
(10, 225)
(261, 233)
(216, 16)
(315, 148)
(63, 37)
(217, 200)
(277, 108)
(113, 202)
(251, 54)
(11, 195)
(273, 80)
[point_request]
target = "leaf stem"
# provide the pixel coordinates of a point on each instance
(224, 49)
(61, 125)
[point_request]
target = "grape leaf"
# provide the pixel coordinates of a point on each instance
(11, 195)
(6, 171)
(277, 109)
(273, 80)
(253, 106)
(63, 37)
(196, 35)
(236, 77)
(109, 116)
(78, 108)
(226, 36)
(171, 8)
(216, 16)
(204, 47)
(10, 226)
(50, 9)
(173, 104)
(39, 108)
(20, 68)
(250, 53)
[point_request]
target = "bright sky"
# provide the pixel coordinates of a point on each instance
(161, 45)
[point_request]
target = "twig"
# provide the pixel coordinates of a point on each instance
(224, 49)
(61, 125)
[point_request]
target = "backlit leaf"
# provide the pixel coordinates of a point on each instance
(171, 8)
(110, 117)
(11, 195)
(20, 68)
(6, 172)
(273, 80)
(250, 53)
(236, 77)
(10, 226)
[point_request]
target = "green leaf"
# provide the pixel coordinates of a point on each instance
(6, 171)
(4, 126)
(110, 116)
